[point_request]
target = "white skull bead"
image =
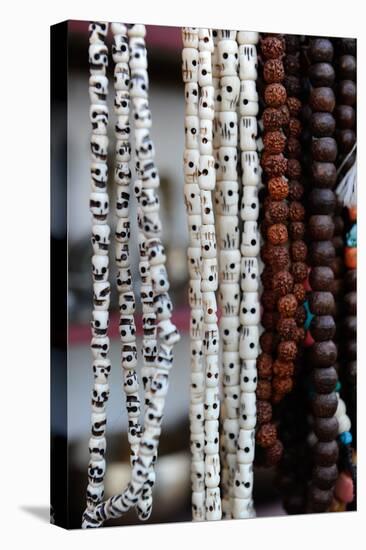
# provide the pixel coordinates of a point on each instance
(248, 344)
(229, 299)
(211, 338)
(99, 347)
(194, 294)
(209, 275)
(228, 232)
(250, 309)
(100, 268)
(191, 132)
(127, 303)
(248, 133)
(192, 198)
(191, 97)
(229, 333)
(249, 204)
(168, 332)
(206, 105)
(211, 441)
(228, 57)
(206, 172)
(248, 62)
(228, 128)
(163, 306)
(144, 144)
(228, 163)
(139, 83)
(99, 147)
(121, 76)
(196, 323)
(190, 64)
(98, 89)
(97, 32)
(198, 506)
(226, 198)
(209, 307)
(120, 50)
(208, 241)
(101, 370)
(205, 40)
(248, 101)
(122, 129)
(101, 295)
(212, 404)
(251, 168)
(100, 239)
(191, 159)
(213, 504)
(231, 431)
(248, 378)
(99, 176)
(137, 31)
(250, 239)
(205, 137)
(212, 371)
(229, 266)
(141, 112)
(198, 476)
(204, 68)
(138, 53)
(249, 275)
(155, 252)
(190, 37)
(99, 323)
(247, 37)
(228, 93)
(98, 59)
(212, 471)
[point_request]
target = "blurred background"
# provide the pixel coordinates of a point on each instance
(172, 490)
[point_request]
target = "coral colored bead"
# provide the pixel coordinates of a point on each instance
(350, 257)
(344, 488)
(308, 341)
(352, 211)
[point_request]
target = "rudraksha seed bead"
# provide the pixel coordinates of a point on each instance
(292, 84)
(269, 320)
(321, 74)
(297, 230)
(269, 300)
(278, 188)
(283, 369)
(296, 190)
(283, 283)
(320, 227)
(275, 95)
(346, 67)
(323, 354)
(300, 337)
(266, 249)
(264, 411)
(321, 253)
(294, 106)
(296, 212)
(272, 47)
(324, 405)
(322, 99)
(264, 365)
(268, 342)
(299, 292)
(299, 251)
(322, 302)
(266, 435)
(274, 142)
(273, 71)
(267, 277)
(300, 316)
(287, 328)
(274, 165)
(287, 305)
(321, 278)
(273, 119)
(322, 201)
(293, 169)
(277, 234)
(326, 453)
(287, 350)
(322, 124)
(346, 92)
(292, 63)
(345, 116)
(323, 328)
(320, 500)
(293, 148)
(324, 174)
(325, 476)
(324, 149)
(299, 271)
(264, 389)
(294, 128)
(281, 258)
(273, 454)
(281, 386)
(278, 211)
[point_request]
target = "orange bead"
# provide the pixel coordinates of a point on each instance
(352, 211)
(350, 257)
(337, 506)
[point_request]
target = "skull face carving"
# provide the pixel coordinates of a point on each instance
(250, 239)
(123, 155)
(248, 62)
(100, 239)
(97, 32)
(228, 95)
(249, 275)
(165, 357)
(248, 101)
(120, 50)
(198, 476)
(229, 266)
(206, 104)
(122, 129)
(190, 64)
(138, 54)
(159, 384)
(99, 147)
(190, 37)
(212, 404)
(122, 174)
(228, 57)
(226, 198)
(133, 405)
(231, 431)
(100, 347)
(212, 471)
(243, 481)
(94, 494)
(204, 68)
(155, 251)
(100, 268)
(194, 262)
(99, 207)
(122, 255)
(209, 307)
(101, 295)
(190, 162)
(126, 302)
(122, 202)
(137, 30)
(150, 224)
(130, 381)
(129, 356)
(192, 198)
(229, 299)
(99, 176)
(205, 137)
(250, 309)
(97, 448)
(231, 368)
(213, 504)
(205, 40)
(121, 102)
(168, 332)
(248, 133)
(206, 208)
(198, 506)
(206, 172)
(211, 443)
(228, 163)
(141, 112)
(208, 241)
(248, 343)
(209, 275)
(229, 333)
(248, 377)
(99, 323)
(196, 323)
(98, 59)
(148, 174)
(159, 278)
(226, 34)
(228, 230)
(144, 144)
(194, 230)
(123, 230)
(246, 446)
(211, 340)
(96, 471)
(191, 130)
(196, 354)
(149, 201)
(191, 97)
(127, 328)
(249, 204)
(194, 294)
(124, 280)
(98, 89)
(212, 371)
(139, 84)
(251, 168)
(228, 128)
(121, 76)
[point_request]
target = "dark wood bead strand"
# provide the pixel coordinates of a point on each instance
(322, 204)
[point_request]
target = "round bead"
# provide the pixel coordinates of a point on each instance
(293, 169)
(292, 84)
(274, 165)
(346, 92)
(275, 95)
(264, 412)
(280, 258)
(298, 251)
(321, 50)
(268, 342)
(293, 148)
(294, 106)
(278, 211)
(326, 429)
(278, 188)
(264, 365)
(320, 499)
(324, 405)
(287, 305)
(346, 140)
(287, 350)
(323, 328)
(323, 354)
(266, 435)
(321, 253)
(322, 99)
(296, 212)
(296, 190)
(322, 201)
(273, 71)
(283, 369)
(322, 303)
(321, 278)
(325, 477)
(324, 174)
(320, 227)
(321, 74)
(326, 453)
(299, 291)
(351, 279)
(324, 149)
(292, 63)
(350, 302)
(277, 234)
(283, 283)
(299, 271)
(281, 386)
(272, 47)
(274, 142)
(346, 67)
(297, 230)
(264, 389)
(273, 454)
(274, 119)
(345, 116)
(322, 124)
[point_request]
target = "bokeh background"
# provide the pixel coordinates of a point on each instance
(172, 490)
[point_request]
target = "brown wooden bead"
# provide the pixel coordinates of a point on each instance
(350, 325)
(346, 92)
(323, 354)
(297, 230)
(273, 71)
(320, 499)
(322, 99)
(322, 124)
(292, 63)
(264, 411)
(324, 405)
(321, 74)
(347, 45)
(338, 244)
(346, 116)
(321, 253)
(320, 227)
(321, 50)
(269, 319)
(324, 174)
(272, 47)
(350, 302)
(351, 349)
(321, 278)
(266, 435)
(296, 190)
(325, 477)
(322, 201)
(346, 140)
(321, 303)
(323, 328)
(326, 453)
(294, 128)
(326, 429)
(324, 149)
(346, 67)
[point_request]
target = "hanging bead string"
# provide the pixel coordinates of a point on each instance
(226, 201)
(99, 207)
(242, 506)
(279, 302)
(122, 180)
(194, 218)
(207, 184)
(142, 475)
(323, 352)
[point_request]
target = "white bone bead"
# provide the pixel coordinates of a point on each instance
(250, 309)
(212, 404)
(228, 128)
(139, 83)
(242, 508)
(249, 275)
(209, 275)
(144, 146)
(341, 408)
(198, 506)
(194, 262)
(196, 323)
(138, 53)
(197, 444)
(192, 198)
(212, 371)
(99, 323)
(212, 471)
(211, 447)
(191, 97)
(196, 354)
(141, 112)
(226, 34)
(213, 504)
(231, 431)
(205, 40)
(191, 132)
(209, 307)
(97, 32)
(101, 295)
(208, 218)
(121, 103)
(100, 347)
(168, 332)
(248, 100)
(121, 76)
(194, 230)
(98, 89)
(344, 424)
(101, 370)
(130, 381)
(206, 137)
(248, 379)
(249, 204)
(99, 175)
(251, 169)
(120, 49)
(190, 37)
(228, 57)
(198, 476)
(229, 296)
(208, 241)
(100, 239)
(229, 333)
(98, 115)
(232, 375)
(228, 163)
(243, 481)
(248, 62)
(247, 37)
(191, 159)
(206, 104)
(248, 344)
(229, 93)
(194, 294)
(123, 155)
(226, 198)
(248, 133)
(137, 31)
(248, 404)
(122, 129)
(99, 148)
(122, 257)
(246, 446)
(190, 64)
(204, 68)
(98, 59)
(206, 172)
(229, 266)
(228, 232)
(250, 239)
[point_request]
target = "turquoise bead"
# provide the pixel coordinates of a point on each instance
(351, 236)
(338, 386)
(346, 438)
(309, 315)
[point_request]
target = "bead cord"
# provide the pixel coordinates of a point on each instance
(321, 204)
(242, 501)
(99, 207)
(138, 491)
(194, 257)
